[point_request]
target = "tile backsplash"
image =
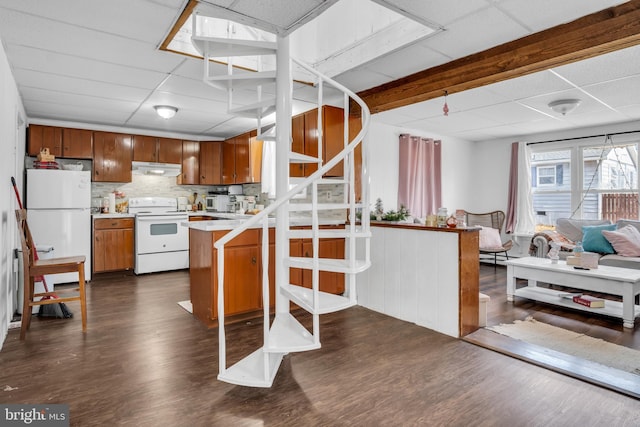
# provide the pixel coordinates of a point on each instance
(144, 186)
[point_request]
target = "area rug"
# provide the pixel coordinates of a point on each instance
(186, 305)
(572, 343)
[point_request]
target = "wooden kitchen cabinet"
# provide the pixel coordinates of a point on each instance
(113, 244)
(241, 159)
(112, 154)
(211, 162)
(243, 275)
(44, 137)
(155, 149)
(333, 137)
(77, 143)
(329, 248)
(190, 163)
(304, 133)
(304, 141)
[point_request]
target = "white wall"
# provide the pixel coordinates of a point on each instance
(12, 141)
(457, 158)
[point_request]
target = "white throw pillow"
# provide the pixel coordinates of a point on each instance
(625, 240)
(490, 238)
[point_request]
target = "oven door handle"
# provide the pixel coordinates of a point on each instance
(162, 218)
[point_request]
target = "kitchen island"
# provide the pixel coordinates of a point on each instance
(425, 275)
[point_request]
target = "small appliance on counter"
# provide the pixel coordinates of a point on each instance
(222, 198)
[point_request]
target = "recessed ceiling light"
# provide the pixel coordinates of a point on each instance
(165, 111)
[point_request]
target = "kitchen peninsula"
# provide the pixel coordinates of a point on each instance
(243, 269)
(425, 275)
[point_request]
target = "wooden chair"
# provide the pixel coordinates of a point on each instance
(34, 268)
(495, 220)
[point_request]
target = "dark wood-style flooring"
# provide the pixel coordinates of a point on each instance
(144, 361)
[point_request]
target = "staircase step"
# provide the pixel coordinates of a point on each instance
(328, 264)
(305, 207)
(220, 47)
(328, 303)
(262, 108)
(250, 370)
(268, 133)
(244, 79)
(302, 158)
(287, 335)
(307, 233)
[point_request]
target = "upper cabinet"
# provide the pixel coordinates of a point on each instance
(333, 137)
(190, 163)
(155, 149)
(44, 137)
(241, 159)
(112, 155)
(211, 162)
(77, 143)
(61, 142)
(304, 134)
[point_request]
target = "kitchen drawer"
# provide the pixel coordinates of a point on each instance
(247, 238)
(111, 223)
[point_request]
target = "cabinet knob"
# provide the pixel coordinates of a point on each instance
(253, 260)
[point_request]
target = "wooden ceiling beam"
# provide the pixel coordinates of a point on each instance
(592, 35)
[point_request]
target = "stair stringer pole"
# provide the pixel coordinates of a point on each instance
(284, 94)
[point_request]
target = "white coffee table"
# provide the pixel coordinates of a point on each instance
(624, 282)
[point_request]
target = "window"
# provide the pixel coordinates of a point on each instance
(546, 175)
(586, 178)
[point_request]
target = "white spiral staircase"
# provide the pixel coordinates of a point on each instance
(284, 333)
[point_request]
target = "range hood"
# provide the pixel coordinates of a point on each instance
(156, 169)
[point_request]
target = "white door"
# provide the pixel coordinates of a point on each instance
(68, 231)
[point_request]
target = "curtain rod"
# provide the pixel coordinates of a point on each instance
(583, 137)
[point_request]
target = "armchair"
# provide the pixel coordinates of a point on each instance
(493, 220)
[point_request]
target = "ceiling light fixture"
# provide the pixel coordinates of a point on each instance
(165, 111)
(564, 106)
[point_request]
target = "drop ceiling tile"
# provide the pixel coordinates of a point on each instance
(81, 114)
(543, 82)
(112, 92)
(282, 17)
(617, 93)
(536, 14)
(44, 62)
(507, 113)
(55, 97)
(22, 30)
(477, 32)
(361, 79)
(611, 66)
(139, 20)
(407, 61)
(442, 13)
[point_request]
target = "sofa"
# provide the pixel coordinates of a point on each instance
(569, 231)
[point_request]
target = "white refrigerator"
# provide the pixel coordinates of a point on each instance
(58, 206)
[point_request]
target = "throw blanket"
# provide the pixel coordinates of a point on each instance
(566, 245)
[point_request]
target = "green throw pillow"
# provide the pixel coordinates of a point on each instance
(594, 241)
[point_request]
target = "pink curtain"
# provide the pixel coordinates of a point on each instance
(420, 182)
(512, 201)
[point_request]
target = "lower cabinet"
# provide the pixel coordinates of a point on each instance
(242, 270)
(113, 244)
(243, 273)
(328, 248)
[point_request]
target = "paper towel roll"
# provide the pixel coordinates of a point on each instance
(112, 202)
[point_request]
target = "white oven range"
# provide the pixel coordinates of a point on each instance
(161, 242)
